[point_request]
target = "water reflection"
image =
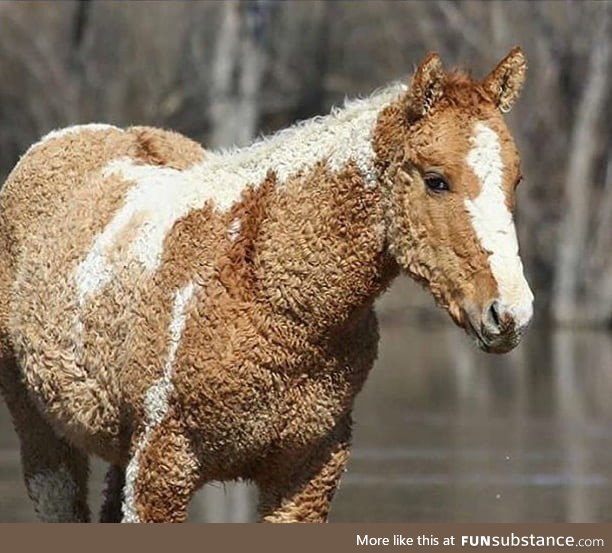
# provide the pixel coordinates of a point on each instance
(448, 433)
(444, 432)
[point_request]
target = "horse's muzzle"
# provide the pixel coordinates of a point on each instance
(498, 328)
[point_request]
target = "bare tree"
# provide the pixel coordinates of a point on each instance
(573, 246)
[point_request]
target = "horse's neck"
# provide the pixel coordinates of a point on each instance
(320, 246)
(321, 249)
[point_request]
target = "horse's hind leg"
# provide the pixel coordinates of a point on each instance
(55, 472)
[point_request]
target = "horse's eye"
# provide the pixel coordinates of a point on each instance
(436, 183)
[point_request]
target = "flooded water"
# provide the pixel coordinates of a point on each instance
(446, 433)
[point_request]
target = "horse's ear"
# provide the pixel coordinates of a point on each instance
(505, 82)
(426, 86)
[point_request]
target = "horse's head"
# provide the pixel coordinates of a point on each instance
(451, 169)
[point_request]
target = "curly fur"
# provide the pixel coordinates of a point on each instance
(191, 316)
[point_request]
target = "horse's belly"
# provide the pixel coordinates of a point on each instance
(250, 418)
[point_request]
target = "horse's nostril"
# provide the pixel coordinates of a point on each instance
(494, 315)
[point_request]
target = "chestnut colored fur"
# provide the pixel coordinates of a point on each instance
(238, 352)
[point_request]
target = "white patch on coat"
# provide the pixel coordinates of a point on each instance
(233, 230)
(156, 400)
(163, 195)
(494, 225)
(54, 494)
(345, 134)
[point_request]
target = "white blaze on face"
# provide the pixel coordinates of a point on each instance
(494, 226)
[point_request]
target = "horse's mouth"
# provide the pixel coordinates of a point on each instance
(499, 343)
(476, 336)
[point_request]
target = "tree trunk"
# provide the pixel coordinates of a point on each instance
(574, 226)
(237, 70)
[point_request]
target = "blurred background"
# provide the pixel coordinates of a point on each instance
(443, 432)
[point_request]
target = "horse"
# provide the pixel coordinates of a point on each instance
(192, 316)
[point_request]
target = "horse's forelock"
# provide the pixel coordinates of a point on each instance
(461, 90)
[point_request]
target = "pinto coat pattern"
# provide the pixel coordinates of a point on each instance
(191, 316)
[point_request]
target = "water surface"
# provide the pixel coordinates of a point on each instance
(446, 433)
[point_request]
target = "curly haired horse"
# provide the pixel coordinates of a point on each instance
(191, 316)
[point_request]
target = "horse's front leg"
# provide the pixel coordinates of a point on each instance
(113, 494)
(161, 477)
(305, 494)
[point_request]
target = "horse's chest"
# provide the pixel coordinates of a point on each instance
(306, 408)
(275, 414)
(313, 388)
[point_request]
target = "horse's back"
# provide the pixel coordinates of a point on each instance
(69, 160)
